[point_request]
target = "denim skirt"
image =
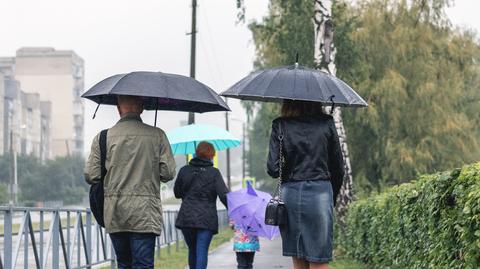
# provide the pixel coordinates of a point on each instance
(309, 231)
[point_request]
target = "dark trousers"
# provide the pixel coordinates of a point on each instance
(245, 260)
(134, 250)
(198, 241)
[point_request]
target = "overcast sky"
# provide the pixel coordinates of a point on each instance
(118, 36)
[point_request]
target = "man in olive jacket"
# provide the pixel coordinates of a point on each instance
(138, 158)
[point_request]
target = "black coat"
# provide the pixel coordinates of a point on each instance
(198, 184)
(311, 150)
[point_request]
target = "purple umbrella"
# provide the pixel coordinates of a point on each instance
(247, 208)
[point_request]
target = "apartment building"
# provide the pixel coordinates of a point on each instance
(48, 84)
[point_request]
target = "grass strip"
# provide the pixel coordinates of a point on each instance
(176, 260)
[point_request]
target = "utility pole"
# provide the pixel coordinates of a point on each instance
(13, 172)
(228, 150)
(193, 33)
(243, 150)
(249, 147)
(325, 60)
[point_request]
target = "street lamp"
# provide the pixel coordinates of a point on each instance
(14, 168)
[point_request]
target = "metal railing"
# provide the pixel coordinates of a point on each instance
(67, 238)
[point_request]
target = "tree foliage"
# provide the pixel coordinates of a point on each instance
(59, 179)
(419, 75)
(286, 31)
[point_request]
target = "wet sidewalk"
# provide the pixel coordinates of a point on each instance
(270, 256)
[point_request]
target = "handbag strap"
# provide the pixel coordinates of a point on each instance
(278, 190)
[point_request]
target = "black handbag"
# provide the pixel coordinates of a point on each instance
(276, 211)
(96, 193)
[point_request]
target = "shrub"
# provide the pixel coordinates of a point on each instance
(433, 222)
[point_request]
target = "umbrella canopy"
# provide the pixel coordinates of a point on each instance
(161, 91)
(295, 83)
(246, 207)
(184, 140)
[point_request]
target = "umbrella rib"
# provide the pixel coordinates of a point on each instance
(351, 93)
(120, 80)
(322, 93)
(271, 81)
(224, 144)
(339, 88)
(325, 85)
(175, 148)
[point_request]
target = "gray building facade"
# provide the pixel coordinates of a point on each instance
(42, 104)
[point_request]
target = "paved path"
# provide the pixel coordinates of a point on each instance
(269, 257)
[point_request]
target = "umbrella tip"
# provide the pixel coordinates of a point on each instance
(250, 189)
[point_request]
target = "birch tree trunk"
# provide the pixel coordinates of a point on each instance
(325, 60)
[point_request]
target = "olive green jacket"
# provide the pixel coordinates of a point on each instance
(138, 158)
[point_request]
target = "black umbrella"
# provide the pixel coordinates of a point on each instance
(295, 83)
(161, 91)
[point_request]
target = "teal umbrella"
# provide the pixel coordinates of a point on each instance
(185, 139)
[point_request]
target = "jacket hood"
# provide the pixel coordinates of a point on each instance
(202, 162)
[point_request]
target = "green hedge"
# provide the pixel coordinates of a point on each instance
(433, 222)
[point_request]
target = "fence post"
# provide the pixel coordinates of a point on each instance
(25, 238)
(169, 240)
(41, 238)
(112, 254)
(177, 242)
(55, 241)
(97, 228)
(89, 238)
(158, 245)
(68, 238)
(7, 241)
(79, 236)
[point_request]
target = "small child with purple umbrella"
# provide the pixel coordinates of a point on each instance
(246, 209)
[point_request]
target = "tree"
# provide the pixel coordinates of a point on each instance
(59, 179)
(419, 75)
(325, 60)
(4, 196)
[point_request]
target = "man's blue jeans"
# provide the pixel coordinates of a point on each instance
(134, 250)
(198, 241)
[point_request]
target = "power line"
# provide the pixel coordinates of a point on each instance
(215, 59)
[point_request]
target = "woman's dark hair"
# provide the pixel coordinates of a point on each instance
(205, 150)
(291, 108)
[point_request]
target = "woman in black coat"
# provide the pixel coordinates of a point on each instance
(198, 184)
(312, 174)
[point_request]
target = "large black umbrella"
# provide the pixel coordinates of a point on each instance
(295, 82)
(161, 91)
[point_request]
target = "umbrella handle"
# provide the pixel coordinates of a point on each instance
(156, 110)
(95, 113)
(333, 104)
